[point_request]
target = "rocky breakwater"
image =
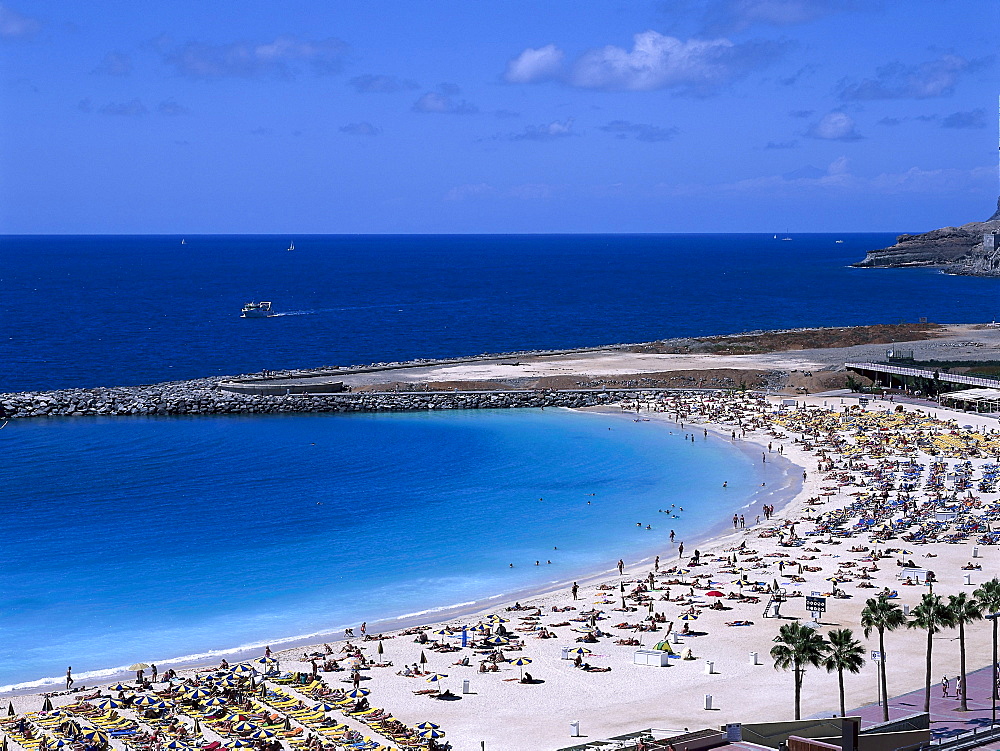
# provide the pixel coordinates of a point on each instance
(203, 397)
(956, 250)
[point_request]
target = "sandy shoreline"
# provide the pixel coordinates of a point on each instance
(514, 716)
(778, 495)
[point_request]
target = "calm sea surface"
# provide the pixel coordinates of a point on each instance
(151, 539)
(148, 539)
(87, 311)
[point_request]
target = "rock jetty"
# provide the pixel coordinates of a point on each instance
(203, 397)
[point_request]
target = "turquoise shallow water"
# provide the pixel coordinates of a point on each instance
(152, 539)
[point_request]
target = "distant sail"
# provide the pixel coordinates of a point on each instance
(291, 246)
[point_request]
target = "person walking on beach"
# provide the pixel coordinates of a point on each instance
(944, 687)
(575, 589)
(680, 550)
(743, 522)
(621, 566)
(671, 536)
(656, 563)
(736, 521)
(69, 677)
(153, 672)
(364, 628)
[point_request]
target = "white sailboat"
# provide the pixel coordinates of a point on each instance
(291, 246)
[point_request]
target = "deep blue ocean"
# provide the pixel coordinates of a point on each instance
(150, 539)
(87, 311)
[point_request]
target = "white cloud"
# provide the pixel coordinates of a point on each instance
(380, 84)
(133, 108)
(14, 25)
(554, 130)
(661, 62)
(461, 192)
(281, 57)
(640, 131)
(934, 78)
(114, 64)
(835, 126)
(363, 128)
(535, 65)
(729, 16)
(444, 101)
(839, 178)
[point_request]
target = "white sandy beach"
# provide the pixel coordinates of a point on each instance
(508, 714)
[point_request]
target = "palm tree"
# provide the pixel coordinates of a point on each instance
(932, 615)
(796, 648)
(846, 653)
(988, 595)
(881, 615)
(964, 609)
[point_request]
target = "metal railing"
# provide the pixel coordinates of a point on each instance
(920, 373)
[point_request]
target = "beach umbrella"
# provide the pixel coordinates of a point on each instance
(715, 593)
(436, 677)
(244, 727)
(199, 693)
(325, 706)
(521, 662)
(108, 703)
(264, 660)
(261, 734)
(139, 666)
(379, 648)
(197, 726)
(442, 632)
(214, 701)
(499, 619)
(689, 617)
(496, 641)
(431, 733)
(4, 747)
(239, 743)
(47, 705)
(578, 651)
(10, 711)
(427, 725)
(145, 701)
(159, 705)
(119, 687)
(95, 735)
(423, 658)
(242, 669)
(357, 693)
(176, 743)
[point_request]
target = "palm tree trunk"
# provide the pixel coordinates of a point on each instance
(995, 696)
(798, 693)
(964, 703)
(927, 676)
(840, 678)
(881, 667)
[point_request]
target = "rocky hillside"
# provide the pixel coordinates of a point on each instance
(957, 250)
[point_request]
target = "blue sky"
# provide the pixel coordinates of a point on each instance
(335, 116)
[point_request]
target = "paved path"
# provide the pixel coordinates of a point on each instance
(946, 718)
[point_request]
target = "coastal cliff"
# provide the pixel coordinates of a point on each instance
(955, 250)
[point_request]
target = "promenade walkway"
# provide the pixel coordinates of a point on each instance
(946, 718)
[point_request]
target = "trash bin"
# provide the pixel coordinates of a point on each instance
(753, 658)
(574, 728)
(708, 701)
(465, 687)
(709, 667)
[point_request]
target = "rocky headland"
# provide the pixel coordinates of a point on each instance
(955, 250)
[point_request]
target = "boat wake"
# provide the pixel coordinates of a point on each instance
(398, 306)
